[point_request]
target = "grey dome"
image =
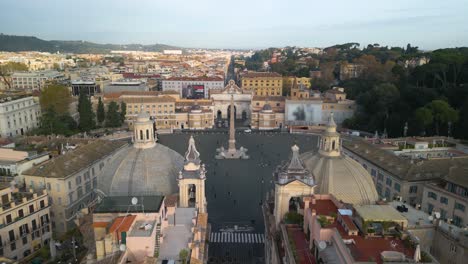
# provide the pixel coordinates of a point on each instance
(341, 176)
(133, 171)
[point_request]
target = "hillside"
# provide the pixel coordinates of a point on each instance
(29, 43)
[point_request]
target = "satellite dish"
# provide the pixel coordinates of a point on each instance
(123, 247)
(134, 201)
(430, 218)
(322, 245)
(437, 215)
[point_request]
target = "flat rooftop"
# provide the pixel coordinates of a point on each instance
(142, 228)
(123, 204)
(416, 218)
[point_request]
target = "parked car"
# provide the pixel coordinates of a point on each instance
(248, 131)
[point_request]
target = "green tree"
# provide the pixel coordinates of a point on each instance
(53, 123)
(424, 118)
(123, 111)
(183, 255)
(101, 114)
(442, 113)
(56, 96)
(8, 68)
(87, 121)
(113, 118)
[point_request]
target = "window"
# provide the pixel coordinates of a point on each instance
(9, 219)
(397, 187)
(42, 203)
(373, 172)
(413, 189)
(31, 209)
(443, 214)
(70, 197)
(59, 201)
(387, 193)
(57, 187)
(48, 186)
(80, 191)
(20, 213)
(69, 185)
(430, 208)
(78, 180)
(432, 195)
(380, 176)
(389, 182)
(457, 220)
(443, 200)
(459, 206)
(11, 235)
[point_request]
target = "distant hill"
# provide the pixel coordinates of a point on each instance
(26, 43)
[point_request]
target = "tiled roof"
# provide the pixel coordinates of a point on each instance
(75, 160)
(402, 168)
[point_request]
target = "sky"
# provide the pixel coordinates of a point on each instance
(429, 24)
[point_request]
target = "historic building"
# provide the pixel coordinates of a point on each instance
(405, 176)
(335, 101)
(141, 228)
(338, 174)
(30, 81)
(192, 180)
(24, 221)
(71, 179)
(18, 116)
(262, 83)
(222, 99)
(267, 112)
(166, 109)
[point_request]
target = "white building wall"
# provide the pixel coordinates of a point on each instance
(18, 116)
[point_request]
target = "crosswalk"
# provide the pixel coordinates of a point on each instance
(244, 238)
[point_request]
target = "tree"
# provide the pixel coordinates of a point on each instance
(183, 255)
(86, 112)
(424, 118)
(53, 123)
(442, 113)
(101, 115)
(56, 96)
(123, 111)
(113, 118)
(8, 68)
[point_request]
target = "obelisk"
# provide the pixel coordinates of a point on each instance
(232, 129)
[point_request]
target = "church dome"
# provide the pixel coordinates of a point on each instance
(150, 171)
(145, 168)
(338, 174)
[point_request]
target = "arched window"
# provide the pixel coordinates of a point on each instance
(333, 145)
(141, 134)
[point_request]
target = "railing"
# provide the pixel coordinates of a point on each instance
(27, 216)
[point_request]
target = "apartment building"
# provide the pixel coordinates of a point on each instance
(262, 83)
(18, 115)
(448, 197)
(24, 222)
(71, 179)
(30, 81)
(401, 175)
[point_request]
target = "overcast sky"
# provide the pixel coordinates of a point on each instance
(429, 24)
